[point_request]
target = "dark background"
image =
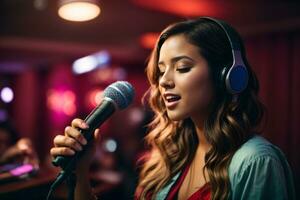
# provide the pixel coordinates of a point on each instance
(37, 49)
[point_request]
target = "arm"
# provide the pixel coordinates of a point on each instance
(67, 145)
(83, 190)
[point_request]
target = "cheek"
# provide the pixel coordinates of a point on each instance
(204, 96)
(199, 92)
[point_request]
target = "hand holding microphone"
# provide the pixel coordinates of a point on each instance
(116, 96)
(73, 141)
(75, 149)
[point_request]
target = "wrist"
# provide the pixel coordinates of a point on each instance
(82, 170)
(82, 176)
(84, 190)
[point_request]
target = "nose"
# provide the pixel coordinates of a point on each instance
(166, 80)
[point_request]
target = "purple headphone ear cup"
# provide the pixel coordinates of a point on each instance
(236, 79)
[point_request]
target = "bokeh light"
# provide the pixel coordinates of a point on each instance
(62, 101)
(91, 62)
(94, 98)
(7, 94)
(110, 145)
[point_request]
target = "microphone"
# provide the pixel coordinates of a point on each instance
(116, 96)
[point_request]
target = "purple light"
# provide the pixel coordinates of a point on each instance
(3, 115)
(7, 94)
(23, 169)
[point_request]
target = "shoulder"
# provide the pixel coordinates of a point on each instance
(255, 149)
(259, 170)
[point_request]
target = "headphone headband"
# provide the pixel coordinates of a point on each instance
(236, 76)
(230, 33)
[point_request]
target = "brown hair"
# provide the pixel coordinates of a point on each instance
(229, 125)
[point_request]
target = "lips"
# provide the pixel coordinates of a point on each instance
(171, 99)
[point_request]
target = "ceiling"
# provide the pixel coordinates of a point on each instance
(32, 34)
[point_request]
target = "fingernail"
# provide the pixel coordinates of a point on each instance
(84, 125)
(83, 141)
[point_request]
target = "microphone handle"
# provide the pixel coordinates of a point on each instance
(94, 120)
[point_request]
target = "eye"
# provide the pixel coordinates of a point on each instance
(183, 69)
(160, 73)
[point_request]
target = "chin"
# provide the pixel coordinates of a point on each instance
(175, 116)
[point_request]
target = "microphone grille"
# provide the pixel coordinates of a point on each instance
(121, 92)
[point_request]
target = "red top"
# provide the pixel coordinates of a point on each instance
(202, 194)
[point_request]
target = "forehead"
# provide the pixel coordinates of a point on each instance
(176, 46)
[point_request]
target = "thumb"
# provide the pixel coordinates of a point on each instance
(96, 139)
(97, 135)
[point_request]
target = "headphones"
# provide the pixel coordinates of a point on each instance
(235, 76)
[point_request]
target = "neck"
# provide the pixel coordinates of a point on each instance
(203, 145)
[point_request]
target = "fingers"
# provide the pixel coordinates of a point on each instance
(72, 140)
(61, 151)
(79, 123)
(65, 145)
(25, 141)
(73, 131)
(97, 134)
(75, 134)
(64, 141)
(25, 146)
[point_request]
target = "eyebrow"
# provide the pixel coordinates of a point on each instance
(175, 59)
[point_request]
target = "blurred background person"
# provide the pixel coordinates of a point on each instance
(16, 150)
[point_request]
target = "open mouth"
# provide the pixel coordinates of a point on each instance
(172, 98)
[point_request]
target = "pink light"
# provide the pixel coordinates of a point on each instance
(94, 98)
(23, 169)
(69, 109)
(62, 101)
(69, 103)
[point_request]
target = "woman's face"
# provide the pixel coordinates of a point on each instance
(184, 81)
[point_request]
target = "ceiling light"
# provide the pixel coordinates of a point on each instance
(91, 62)
(78, 10)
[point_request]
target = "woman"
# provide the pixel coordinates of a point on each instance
(203, 139)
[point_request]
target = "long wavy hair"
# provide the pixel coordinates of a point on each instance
(230, 124)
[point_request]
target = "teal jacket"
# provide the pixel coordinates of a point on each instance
(258, 171)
